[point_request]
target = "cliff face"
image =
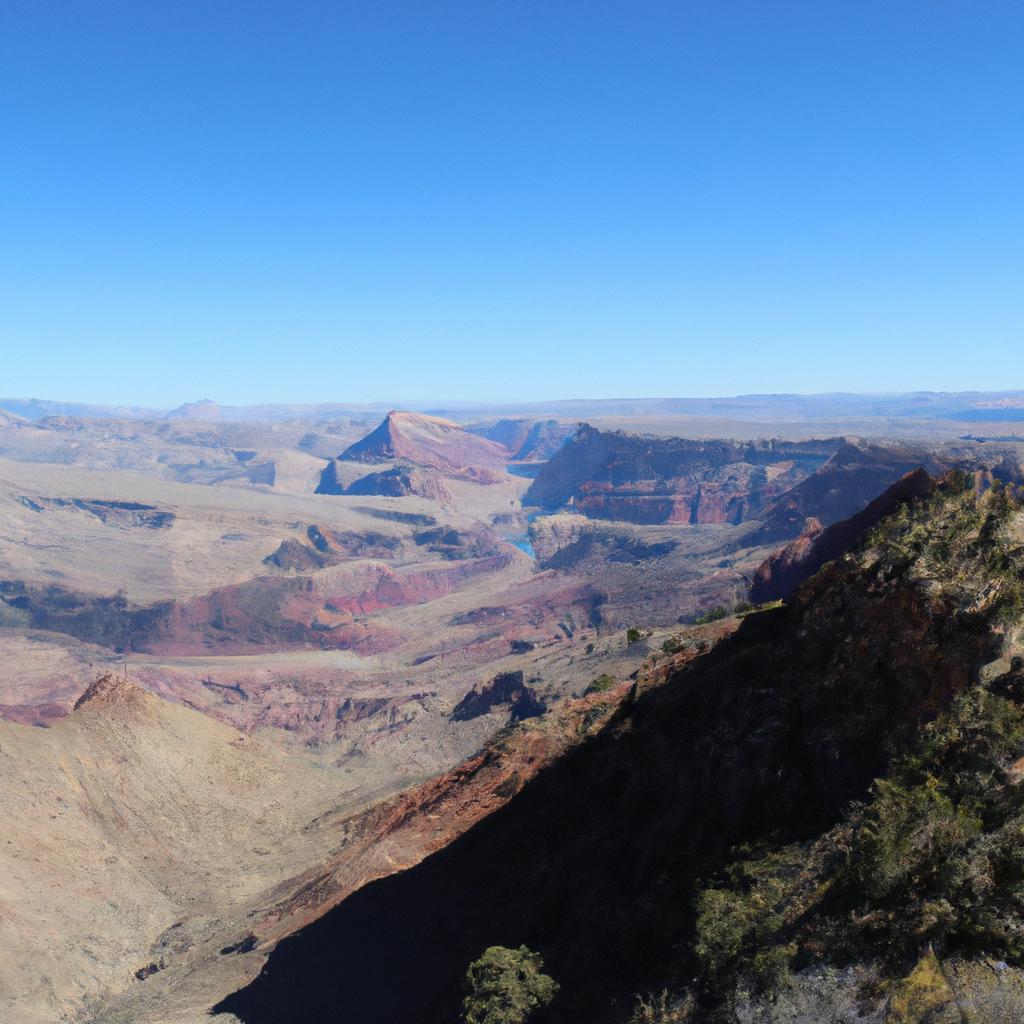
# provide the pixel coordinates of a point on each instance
(602, 862)
(528, 440)
(397, 482)
(671, 480)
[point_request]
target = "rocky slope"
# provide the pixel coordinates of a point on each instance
(529, 441)
(398, 482)
(428, 441)
(842, 486)
(650, 575)
(133, 831)
(152, 855)
(787, 568)
(324, 546)
(648, 480)
(670, 480)
(328, 611)
(721, 838)
(506, 688)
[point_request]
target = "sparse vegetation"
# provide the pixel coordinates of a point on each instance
(600, 684)
(633, 635)
(713, 615)
(506, 986)
(738, 923)
(936, 850)
(931, 857)
(661, 1008)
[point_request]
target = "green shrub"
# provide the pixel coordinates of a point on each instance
(716, 613)
(633, 635)
(933, 853)
(740, 924)
(601, 683)
(506, 986)
(770, 966)
(936, 853)
(661, 1009)
(909, 832)
(726, 922)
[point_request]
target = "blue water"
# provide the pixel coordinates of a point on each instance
(529, 470)
(522, 541)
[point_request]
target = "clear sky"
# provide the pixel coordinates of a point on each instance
(508, 199)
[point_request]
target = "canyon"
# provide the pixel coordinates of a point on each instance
(269, 680)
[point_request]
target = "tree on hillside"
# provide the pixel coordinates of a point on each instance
(506, 986)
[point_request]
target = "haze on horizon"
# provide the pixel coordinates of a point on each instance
(514, 202)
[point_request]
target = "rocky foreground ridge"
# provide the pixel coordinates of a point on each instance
(775, 835)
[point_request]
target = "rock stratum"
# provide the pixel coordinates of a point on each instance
(650, 480)
(430, 442)
(787, 568)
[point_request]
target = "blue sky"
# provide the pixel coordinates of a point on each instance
(488, 200)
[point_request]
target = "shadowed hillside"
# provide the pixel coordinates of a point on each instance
(600, 864)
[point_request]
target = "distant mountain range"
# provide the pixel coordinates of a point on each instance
(966, 406)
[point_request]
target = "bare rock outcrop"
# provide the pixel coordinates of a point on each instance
(429, 441)
(324, 547)
(401, 482)
(505, 689)
(526, 440)
(647, 480)
(112, 691)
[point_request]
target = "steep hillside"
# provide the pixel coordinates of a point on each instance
(708, 841)
(786, 569)
(651, 575)
(528, 440)
(428, 441)
(194, 848)
(855, 475)
(135, 830)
